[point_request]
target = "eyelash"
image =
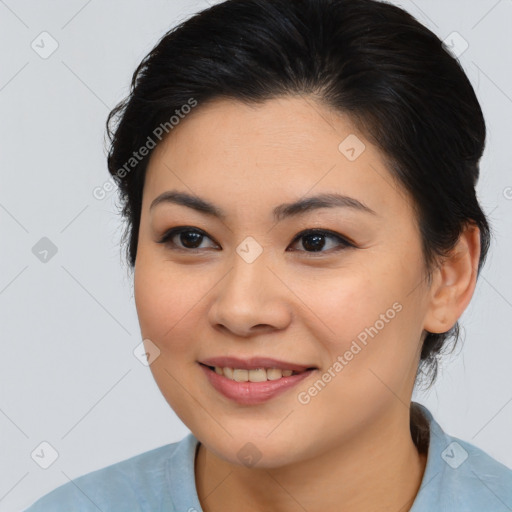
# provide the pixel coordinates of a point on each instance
(170, 234)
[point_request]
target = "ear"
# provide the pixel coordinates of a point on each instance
(453, 282)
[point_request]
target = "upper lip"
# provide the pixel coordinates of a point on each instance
(253, 363)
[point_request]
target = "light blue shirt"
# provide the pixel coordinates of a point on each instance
(459, 477)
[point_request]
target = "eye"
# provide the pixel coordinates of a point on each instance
(314, 240)
(189, 238)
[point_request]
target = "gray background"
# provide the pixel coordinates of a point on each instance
(69, 325)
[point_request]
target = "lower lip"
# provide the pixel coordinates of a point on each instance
(251, 393)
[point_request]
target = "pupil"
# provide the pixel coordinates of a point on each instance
(313, 242)
(190, 239)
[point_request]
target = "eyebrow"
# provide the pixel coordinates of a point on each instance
(280, 212)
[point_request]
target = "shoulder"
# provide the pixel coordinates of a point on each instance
(476, 478)
(461, 476)
(139, 483)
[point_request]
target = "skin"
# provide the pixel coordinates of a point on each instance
(350, 447)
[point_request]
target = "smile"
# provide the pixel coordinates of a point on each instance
(251, 386)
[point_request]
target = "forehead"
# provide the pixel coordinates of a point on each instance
(289, 126)
(284, 148)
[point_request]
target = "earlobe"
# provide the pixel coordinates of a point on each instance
(453, 282)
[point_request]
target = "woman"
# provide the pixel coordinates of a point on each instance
(298, 179)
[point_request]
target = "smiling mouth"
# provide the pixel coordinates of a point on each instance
(254, 375)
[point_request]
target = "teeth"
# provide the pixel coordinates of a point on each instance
(274, 373)
(258, 375)
(240, 375)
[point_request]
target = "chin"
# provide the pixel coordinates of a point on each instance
(256, 450)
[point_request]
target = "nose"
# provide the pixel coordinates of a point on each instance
(250, 299)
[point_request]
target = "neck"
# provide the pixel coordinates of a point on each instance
(380, 470)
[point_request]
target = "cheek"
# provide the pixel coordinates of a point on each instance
(165, 300)
(345, 305)
(368, 318)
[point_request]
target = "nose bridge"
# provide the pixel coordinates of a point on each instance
(248, 279)
(250, 294)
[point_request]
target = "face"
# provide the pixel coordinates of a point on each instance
(331, 291)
